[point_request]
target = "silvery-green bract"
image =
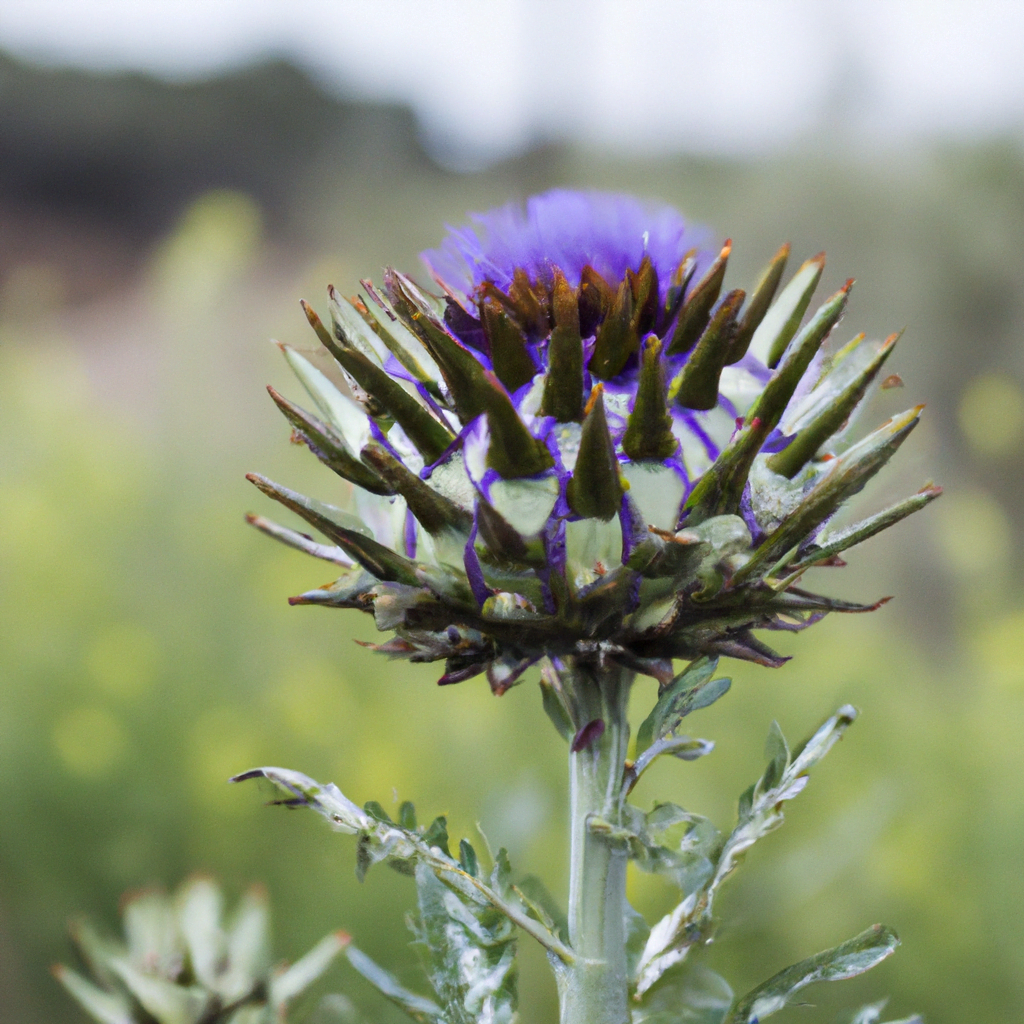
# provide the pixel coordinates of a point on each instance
(578, 443)
(181, 962)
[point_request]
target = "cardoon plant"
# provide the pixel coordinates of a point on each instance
(182, 962)
(578, 450)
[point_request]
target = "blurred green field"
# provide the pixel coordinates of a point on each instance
(148, 652)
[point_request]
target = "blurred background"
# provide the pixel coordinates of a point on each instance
(175, 176)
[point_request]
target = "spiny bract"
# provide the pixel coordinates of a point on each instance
(580, 447)
(180, 963)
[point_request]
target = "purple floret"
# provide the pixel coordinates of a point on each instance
(567, 229)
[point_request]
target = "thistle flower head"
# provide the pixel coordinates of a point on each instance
(579, 443)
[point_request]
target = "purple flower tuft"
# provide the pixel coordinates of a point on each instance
(567, 229)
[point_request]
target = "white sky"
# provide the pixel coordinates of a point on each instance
(487, 77)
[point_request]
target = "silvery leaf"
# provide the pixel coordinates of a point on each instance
(853, 957)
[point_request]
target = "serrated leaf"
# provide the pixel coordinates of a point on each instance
(686, 748)
(691, 690)
(853, 957)
(405, 851)
(689, 866)
(471, 961)
(760, 806)
(759, 813)
(324, 798)
(812, 750)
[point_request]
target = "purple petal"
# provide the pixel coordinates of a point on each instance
(567, 229)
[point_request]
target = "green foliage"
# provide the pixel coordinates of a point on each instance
(714, 857)
(853, 957)
(181, 963)
(147, 622)
(469, 950)
(689, 691)
(380, 840)
(467, 924)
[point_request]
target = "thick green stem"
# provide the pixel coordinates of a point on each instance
(595, 986)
